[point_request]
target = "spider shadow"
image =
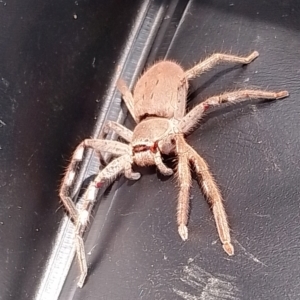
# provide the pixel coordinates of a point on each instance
(193, 95)
(104, 240)
(225, 108)
(90, 234)
(110, 228)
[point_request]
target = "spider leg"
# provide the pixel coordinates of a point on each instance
(190, 119)
(122, 131)
(187, 154)
(118, 166)
(110, 146)
(214, 196)
(81, 215)
(180, 105)
(80, 253)
(114, 147)
(127, 97)
(67, 182)
(185, 180)
(215, 59)
(161, 166)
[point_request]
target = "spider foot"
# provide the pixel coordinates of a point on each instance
(183, 232)
(282, 94)
(132, 175)
(251, 57)
(167, 172)
(170, 172)
(135, 176)
(228, 248)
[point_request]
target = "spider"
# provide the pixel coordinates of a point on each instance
(158, 106)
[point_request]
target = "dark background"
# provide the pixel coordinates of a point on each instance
(54, 71)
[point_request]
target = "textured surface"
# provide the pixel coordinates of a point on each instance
(54, 67)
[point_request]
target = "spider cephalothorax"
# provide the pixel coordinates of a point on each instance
(158, 106)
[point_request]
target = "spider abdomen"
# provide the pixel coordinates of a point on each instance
(156, 92)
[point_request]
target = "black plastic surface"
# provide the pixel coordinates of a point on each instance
(253, 150)
(56, 59)
(53, 67)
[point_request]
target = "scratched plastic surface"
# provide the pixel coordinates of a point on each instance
(133, 247)
(253, 149)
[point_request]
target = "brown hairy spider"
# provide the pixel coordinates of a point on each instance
(158, 106)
